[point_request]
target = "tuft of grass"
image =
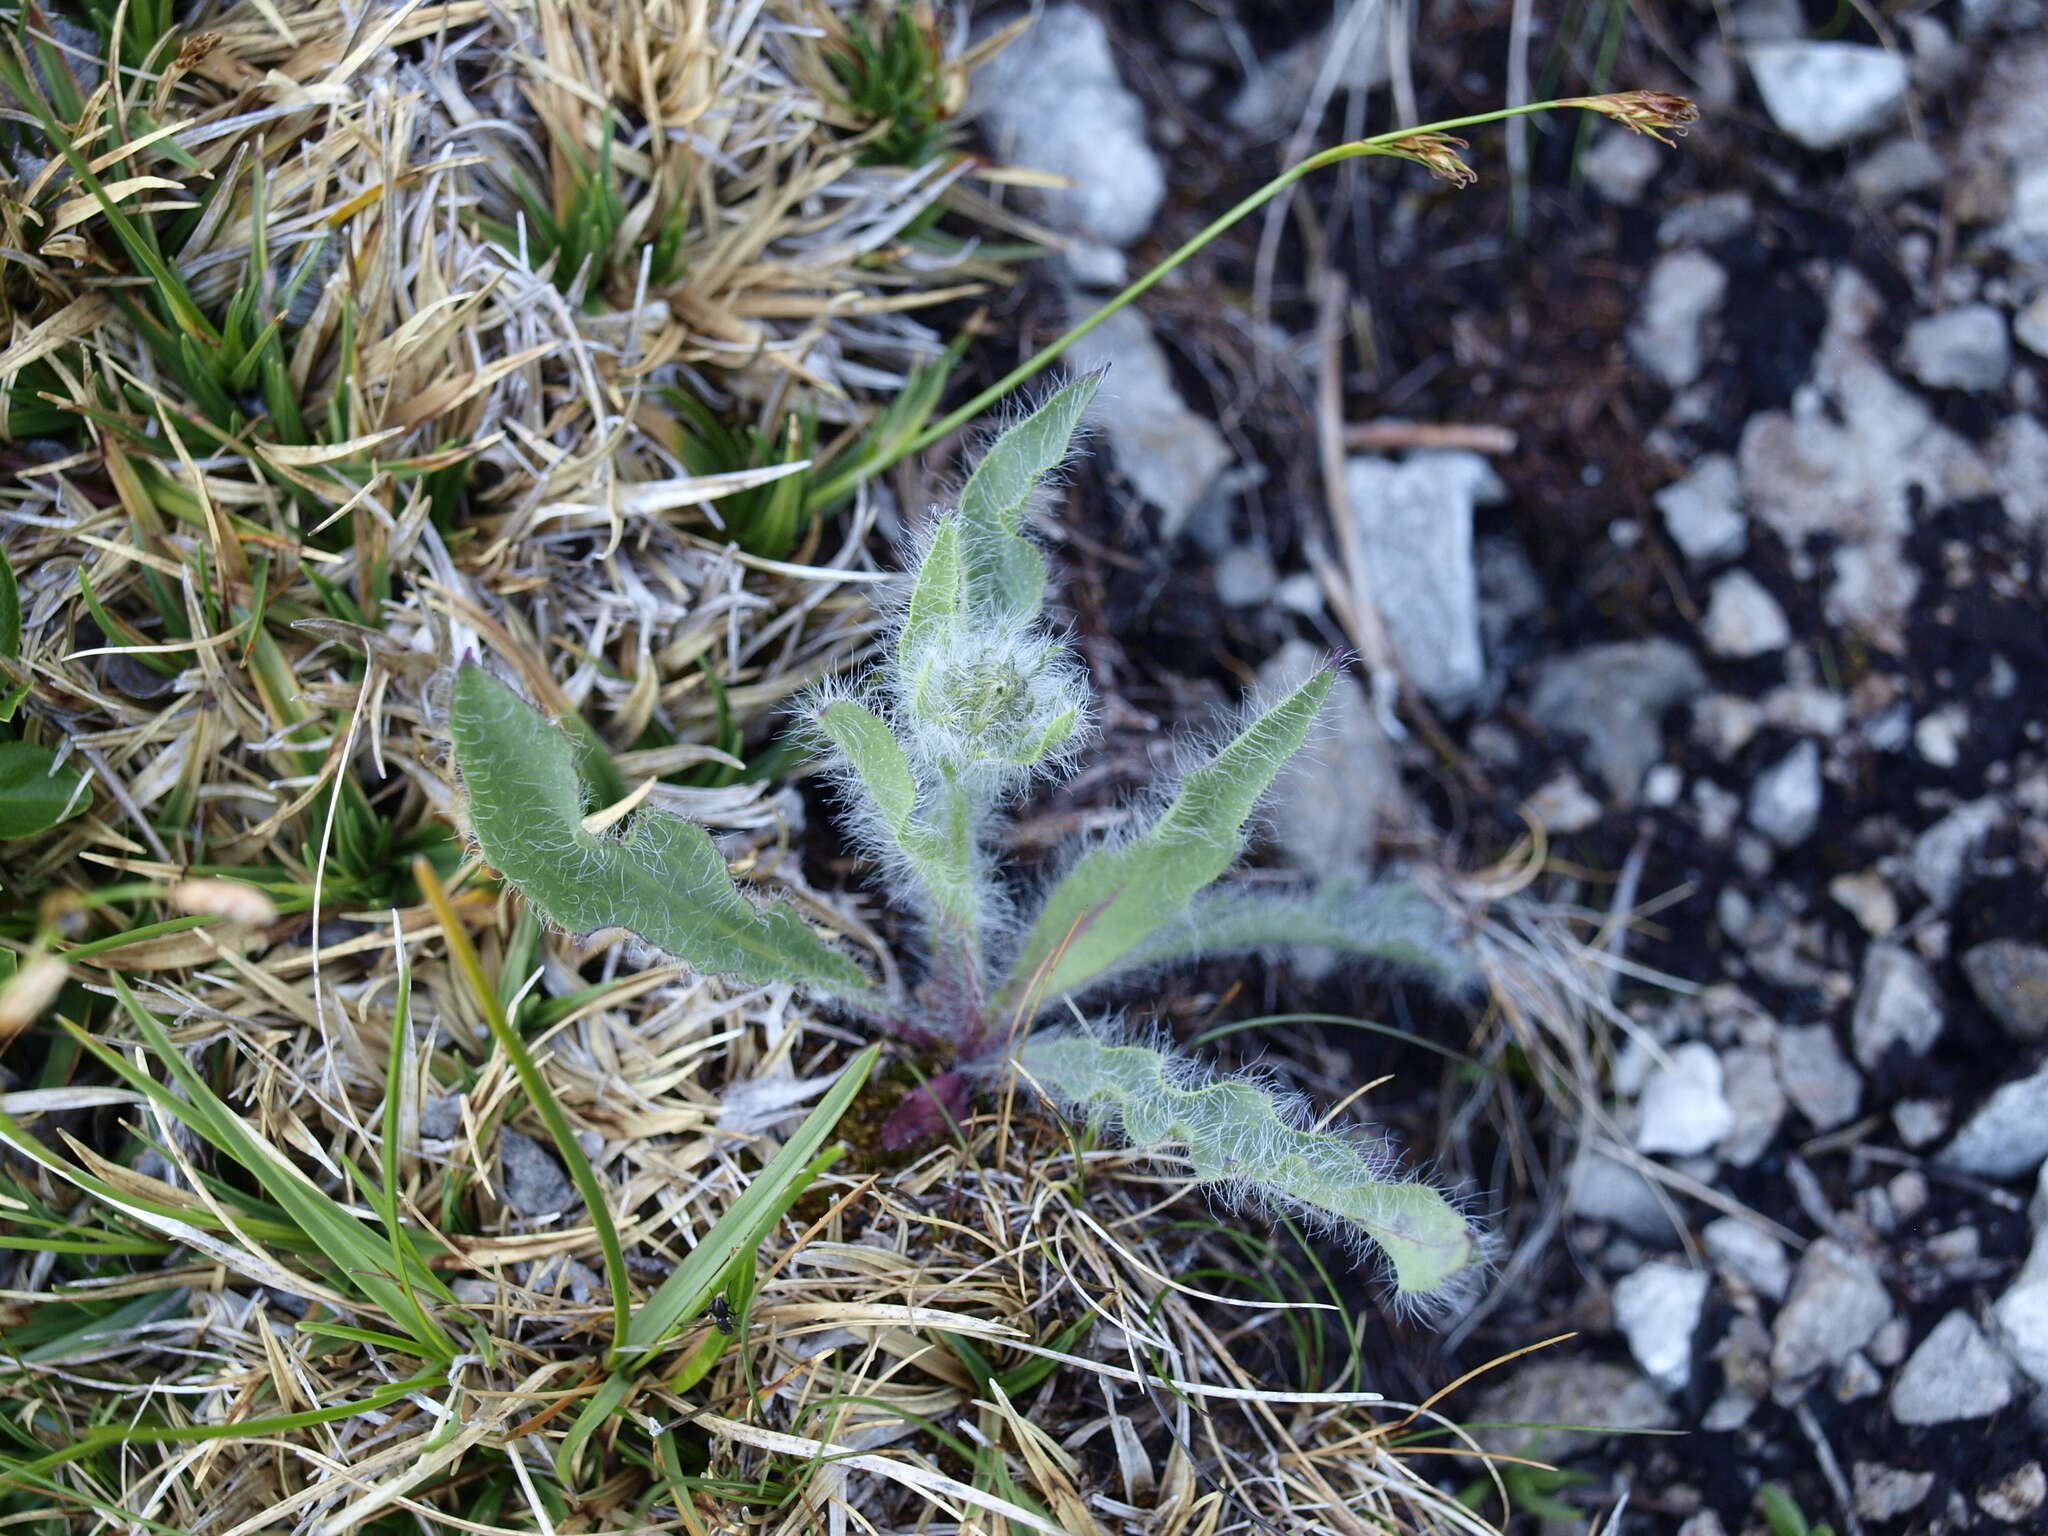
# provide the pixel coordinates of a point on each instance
(893, 71)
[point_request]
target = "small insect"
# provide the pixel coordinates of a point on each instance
(721, 1314)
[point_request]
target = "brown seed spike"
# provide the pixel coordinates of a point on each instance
(1439, 152)
(1646, 112)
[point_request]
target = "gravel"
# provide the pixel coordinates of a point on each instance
(532, 1181)
(1682, 293)
(1621, 165)
(1703, 511)
(1836, 1303)
(1743, 619)
(1955, 1374)
(1657, 1308)
(1785, 801)
(1942, 854)
(1615, 696)
(1757, 1259)
(1415, 525)
(1826, 95)
(1963, 348)
(1897, 1004)
(2010, 978)
(1682, 1108)
(2008, 1137)
(1053, 100)
(1817, 1077)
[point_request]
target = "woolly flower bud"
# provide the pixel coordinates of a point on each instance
(1004, 699)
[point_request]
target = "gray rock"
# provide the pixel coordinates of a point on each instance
(1837, 1303)
(1743, 619)
(1964, 348)
(1897, 1004)
(1817, 1077)
(1942, 854)
(1615, 696)
(1053, 100)
(1621, 165)
(1749, 1080)
(1332, 797)
(1657, 1308)
(2017, 456)
(1559, 1392)
(2030, 325)
(2024, 234)
(1919, 1122)
(1755, 1258)
(1895, 169)
(1885, 1493)
(1955, 1374)
(2010, 979)
(1707, 220)
(1563, 806)
(1826, 95)
(1415, 528)
(1245, 577)
(1703, 512)
(1855, 1379)
(531, 1181)
(1682, 1108)
(441, 1116)
(2008, 1137)
(1172, 456)
(2022, 1318)
(1785, 800)
(1602, 1189)
(1668, 339)
(2016, 1497)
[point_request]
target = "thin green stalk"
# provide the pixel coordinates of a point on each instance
(538, 1094)
(1380, 144)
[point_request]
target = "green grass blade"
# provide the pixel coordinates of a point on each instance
(688, 1290)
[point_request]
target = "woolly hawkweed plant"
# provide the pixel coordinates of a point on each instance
(975, 696)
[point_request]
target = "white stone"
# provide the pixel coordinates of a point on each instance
(1053, 100)
(2017, 456)
(1897, 1004)
(2030, 325)
(1601, 1189)
(1816, 1077)
(1885, 1493)
(1663, 784)
(1895, 169)
(2022, 1316)
(1749, 1081)
(1826, 95)
(1621, 165)
(1615, 696)
(1755, 1258)
(1955, 1374)
(2008, 1137)
(1668, 339)
(1703, 511)
(1963, 348)
(1415, 526)
(1837, 1303)
(1785, 800)
(1563, 805)
(1682, 1109)
(1867, 896)
(1943, 853)
(1657, 1308)
(1245, 577)
(1172, 456)
(1743, 619)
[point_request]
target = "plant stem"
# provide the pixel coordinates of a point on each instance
(1030, 368)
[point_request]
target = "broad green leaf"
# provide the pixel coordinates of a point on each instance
(1116, 897)
(36, 792)
(744, 1226)
(1236, 1133)
(664, 879)
(943, 866)
(1005, 571)
(1392, 923)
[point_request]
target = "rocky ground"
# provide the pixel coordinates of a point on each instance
(1732, 579)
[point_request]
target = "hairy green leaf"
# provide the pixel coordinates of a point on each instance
(1116, 897)
(663, 879)
(943, 866)
(1238, 1134)
(1005, 571)
(1392, 923)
